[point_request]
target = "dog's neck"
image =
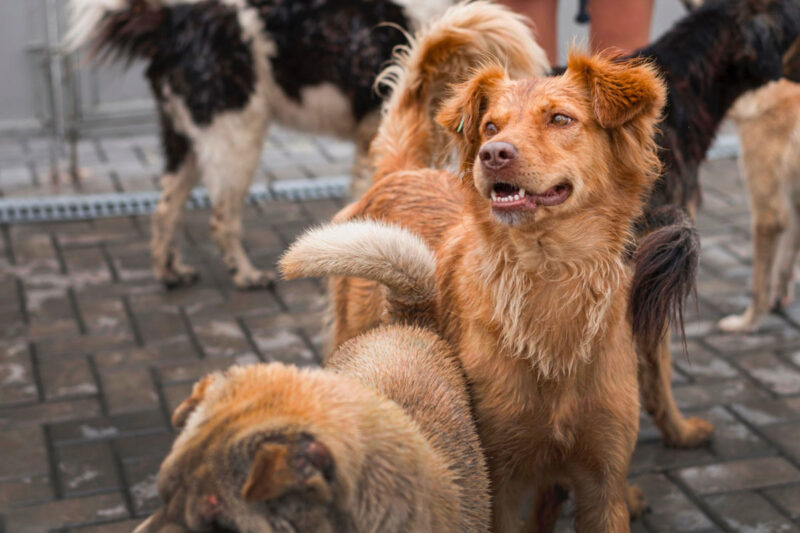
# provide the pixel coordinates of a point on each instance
(553, 289)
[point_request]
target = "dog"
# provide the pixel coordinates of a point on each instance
(381, 440)
(532, 285)
(768, 122)
(708, 59)
(222, 70)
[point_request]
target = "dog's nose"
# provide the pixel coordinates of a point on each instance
(497, 155)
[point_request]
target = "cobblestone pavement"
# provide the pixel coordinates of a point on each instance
(94, 355)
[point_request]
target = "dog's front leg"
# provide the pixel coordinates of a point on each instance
(601, 503)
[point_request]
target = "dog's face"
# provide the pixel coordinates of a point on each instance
(251, 457)
(546, 148)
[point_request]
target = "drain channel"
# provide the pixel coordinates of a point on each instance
(90, 206)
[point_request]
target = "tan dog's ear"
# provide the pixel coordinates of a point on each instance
(188, 405)
(280, 467)
(621, 90)
(462, 112)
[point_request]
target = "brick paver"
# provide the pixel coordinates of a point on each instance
(94, 354)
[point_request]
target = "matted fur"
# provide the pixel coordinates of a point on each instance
(382, 439)
(535, 304)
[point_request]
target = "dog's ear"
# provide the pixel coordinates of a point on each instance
(620, 90)
(281, 467)
(187, 407)
(462, 112)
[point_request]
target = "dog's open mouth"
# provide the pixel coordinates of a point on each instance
(508, 196)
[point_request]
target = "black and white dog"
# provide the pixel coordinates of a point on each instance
(222, 70)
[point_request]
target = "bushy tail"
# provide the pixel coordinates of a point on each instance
(372, 250)
(447, 52)
(665, 265)
(118, 28)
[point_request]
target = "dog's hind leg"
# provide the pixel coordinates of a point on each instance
(789, 248)
(228, 154)
(770, 217)
(655, 383)
(179, 179)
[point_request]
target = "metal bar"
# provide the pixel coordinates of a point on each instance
(91, 206)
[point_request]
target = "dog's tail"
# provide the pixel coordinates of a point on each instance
(390, 255)
(118, 28)
(447, 52)
(665, 265)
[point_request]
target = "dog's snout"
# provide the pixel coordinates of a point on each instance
(497, 155)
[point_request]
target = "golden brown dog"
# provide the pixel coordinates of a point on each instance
(531, 282)
(381, 440)
(769, 130)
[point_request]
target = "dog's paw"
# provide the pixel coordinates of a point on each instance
(637, 505)
(175, 278)
(254, 279)
(694, 432)
(737, 324)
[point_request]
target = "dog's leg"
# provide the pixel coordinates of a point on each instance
(655, 373)
(788, 250)
(506, 506)
(166, 256)
(228, 155)
(546, 509)
(770, 214)
(601, 504)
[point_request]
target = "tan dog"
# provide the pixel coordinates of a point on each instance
(532, 287)
(382, 440)
(769, 130)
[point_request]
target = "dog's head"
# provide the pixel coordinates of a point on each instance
(540, 150)
(257, 453)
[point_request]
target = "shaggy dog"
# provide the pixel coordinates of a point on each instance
(222, 70)
(710, 58)
(381, 440)
(531, 282)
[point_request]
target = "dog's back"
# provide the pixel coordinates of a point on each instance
(419, 371)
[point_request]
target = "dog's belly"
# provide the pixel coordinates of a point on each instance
(322, 108)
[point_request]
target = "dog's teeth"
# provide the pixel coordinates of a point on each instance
(494, 195)
(522, 193)
(516, 197)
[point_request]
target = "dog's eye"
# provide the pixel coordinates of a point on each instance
(490, 129)
(560, 120)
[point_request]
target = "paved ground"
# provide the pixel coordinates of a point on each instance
(94, 355)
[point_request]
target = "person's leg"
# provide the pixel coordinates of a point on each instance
(544, 14)
(620, 24)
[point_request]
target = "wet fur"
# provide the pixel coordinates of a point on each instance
(709, 59)
(537, 310)
(382, 439)
(222, 70)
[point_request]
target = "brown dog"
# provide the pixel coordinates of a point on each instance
(382, 440)
(532, 285)
(769, 130)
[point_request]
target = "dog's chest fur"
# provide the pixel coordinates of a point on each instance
(538, 353)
